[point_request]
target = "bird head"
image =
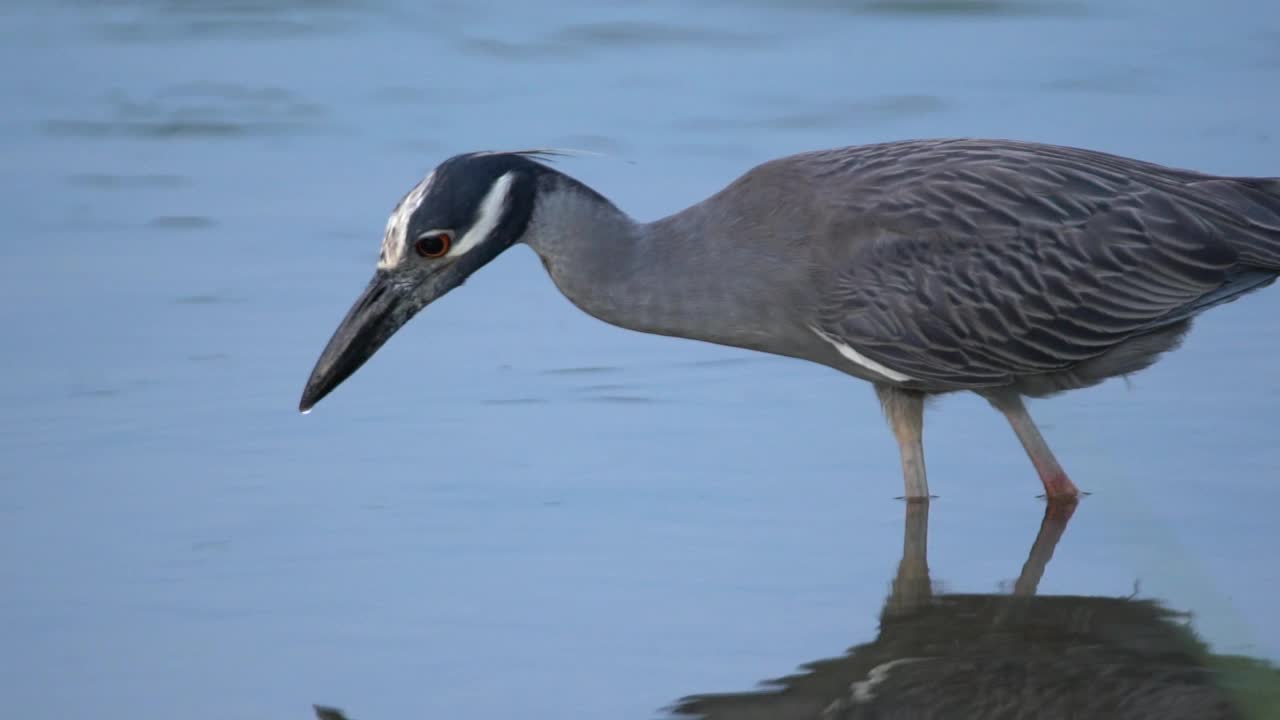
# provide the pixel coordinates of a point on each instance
(461, 216)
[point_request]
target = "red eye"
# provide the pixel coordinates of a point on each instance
(434, 245)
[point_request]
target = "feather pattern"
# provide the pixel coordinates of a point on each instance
(972, 263)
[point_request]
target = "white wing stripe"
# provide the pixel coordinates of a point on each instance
(846, 350)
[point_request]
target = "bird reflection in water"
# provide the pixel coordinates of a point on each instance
(1016, 656)
(1011, 656)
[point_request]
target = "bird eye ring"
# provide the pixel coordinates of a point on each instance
(433, 245)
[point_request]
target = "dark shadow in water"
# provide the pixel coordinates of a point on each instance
(107, 181)
(1015, 656)
(202, 299)
(952, 9)
(1111, 81)
(583, 370)
(830, 115)
(1006, 656)
(182, 222)
(576, 42)
(174, 21)
(192, 110)
(967, 8)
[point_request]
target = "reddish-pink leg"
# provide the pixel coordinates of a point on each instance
(1057, 486)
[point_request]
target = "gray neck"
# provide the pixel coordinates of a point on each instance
(677, 276)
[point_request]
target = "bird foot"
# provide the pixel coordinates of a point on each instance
(1058, 487)
(915, 499)
(1064, 500)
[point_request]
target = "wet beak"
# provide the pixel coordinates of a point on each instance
(380, 310)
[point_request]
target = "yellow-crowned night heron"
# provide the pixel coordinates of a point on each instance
(1008, 269)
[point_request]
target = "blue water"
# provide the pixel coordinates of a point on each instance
(515, 510)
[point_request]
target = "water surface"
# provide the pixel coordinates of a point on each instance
(515, 509)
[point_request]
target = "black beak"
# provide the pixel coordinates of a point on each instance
(379, 311)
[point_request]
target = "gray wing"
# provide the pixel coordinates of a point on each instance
(977, 263)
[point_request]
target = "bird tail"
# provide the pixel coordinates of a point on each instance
(1255, 205)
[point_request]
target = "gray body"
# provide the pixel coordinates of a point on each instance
(925, 267)
(963, 264)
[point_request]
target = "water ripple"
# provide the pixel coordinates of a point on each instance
(577, 41)
(201, 110)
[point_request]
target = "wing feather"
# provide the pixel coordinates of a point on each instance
(986, 263)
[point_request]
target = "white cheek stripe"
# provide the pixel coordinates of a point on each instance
(487, 218)
(846, 350)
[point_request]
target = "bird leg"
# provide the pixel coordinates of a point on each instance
(1057, 486)
(905, 411)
